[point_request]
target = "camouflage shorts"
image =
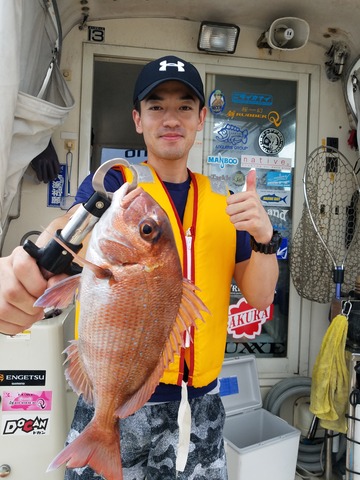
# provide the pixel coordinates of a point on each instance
(149, 442)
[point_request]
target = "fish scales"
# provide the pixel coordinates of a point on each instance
(135, 307)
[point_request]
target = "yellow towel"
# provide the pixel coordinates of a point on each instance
(330, 379)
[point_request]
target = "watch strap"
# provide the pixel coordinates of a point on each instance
(267, 248)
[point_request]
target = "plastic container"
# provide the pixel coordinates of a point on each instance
(33, 413)
(258, 443)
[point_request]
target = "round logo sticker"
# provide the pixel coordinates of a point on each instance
(271, 141)
(217, 102)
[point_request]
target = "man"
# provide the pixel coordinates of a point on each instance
(169, 111)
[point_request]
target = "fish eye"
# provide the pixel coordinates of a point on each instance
(149, 230)
(146, 229)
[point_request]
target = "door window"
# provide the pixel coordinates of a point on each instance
(253, 124)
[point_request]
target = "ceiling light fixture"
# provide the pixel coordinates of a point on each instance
(218, 37)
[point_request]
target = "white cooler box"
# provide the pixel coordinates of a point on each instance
(259, 444)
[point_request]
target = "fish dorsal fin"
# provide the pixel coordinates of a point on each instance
(190, 310)
(76, 375)
(61, 294)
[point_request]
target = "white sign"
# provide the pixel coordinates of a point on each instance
(271, 163)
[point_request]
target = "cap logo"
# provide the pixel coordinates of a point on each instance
(164, 64)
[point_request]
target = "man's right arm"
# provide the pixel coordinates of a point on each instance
(21, 283)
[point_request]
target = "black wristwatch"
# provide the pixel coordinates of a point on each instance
(267, 248)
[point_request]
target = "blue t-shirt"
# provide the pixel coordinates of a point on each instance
(178, 192)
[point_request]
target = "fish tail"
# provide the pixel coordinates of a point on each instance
(95, 447)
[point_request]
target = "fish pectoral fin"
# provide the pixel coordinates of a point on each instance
(191, 305)
(190, 310)
(61, 294)
(76, 374)
(143, 394)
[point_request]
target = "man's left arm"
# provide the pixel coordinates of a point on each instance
(256, 277)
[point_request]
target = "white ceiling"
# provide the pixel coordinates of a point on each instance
(336, 20)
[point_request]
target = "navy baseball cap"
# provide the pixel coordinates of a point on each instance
(164, 69)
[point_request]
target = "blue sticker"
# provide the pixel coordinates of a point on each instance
(274, 199)
(231, 135)
(229, 386)
(222, 161)
(216, 102)
(252, 98)
(56, 188)
(278, 179)
(282, 253)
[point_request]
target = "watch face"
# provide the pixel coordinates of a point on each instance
(271, 141)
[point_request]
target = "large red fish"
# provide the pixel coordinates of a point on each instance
(135, 306)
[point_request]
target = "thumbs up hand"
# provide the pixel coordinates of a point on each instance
(247, 213)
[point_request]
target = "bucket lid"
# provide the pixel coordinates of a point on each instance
(239, 385)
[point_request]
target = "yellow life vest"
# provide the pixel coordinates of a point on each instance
(206, 243)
